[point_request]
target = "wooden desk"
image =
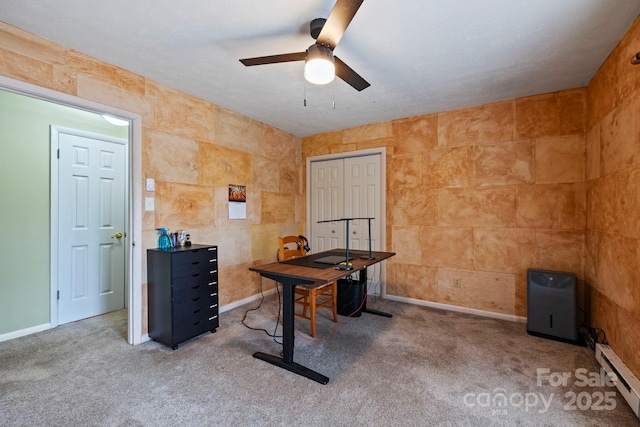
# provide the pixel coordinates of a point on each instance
(291, 275)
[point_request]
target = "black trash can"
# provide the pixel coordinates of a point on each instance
(350, 296)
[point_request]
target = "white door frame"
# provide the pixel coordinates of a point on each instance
(383, 196)
(134, 229)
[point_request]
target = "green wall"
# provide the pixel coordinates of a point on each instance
(25, 203)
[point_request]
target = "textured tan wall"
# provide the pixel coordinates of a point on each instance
(193, 149)
(479, 194)
(613, 210)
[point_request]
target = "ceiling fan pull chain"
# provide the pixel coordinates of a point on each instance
(333, 84)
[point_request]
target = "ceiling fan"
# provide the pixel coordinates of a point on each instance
(321, 65)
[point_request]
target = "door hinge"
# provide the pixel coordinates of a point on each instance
(58, 153)
(58, 294)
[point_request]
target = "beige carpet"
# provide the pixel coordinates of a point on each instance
(422, 367)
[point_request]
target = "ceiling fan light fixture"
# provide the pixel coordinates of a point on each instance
(319, 67)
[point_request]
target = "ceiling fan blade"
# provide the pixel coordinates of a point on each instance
(274, 59)
(337, 22)
(348, 75)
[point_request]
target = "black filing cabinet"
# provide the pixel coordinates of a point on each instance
(183, 293)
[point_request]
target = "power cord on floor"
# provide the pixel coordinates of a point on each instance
(279, 318)
(590, 334)
(593, 336)
(272, 335)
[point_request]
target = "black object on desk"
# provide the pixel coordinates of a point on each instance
(292, 274)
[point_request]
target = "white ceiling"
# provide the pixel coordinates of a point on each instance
(420, 56)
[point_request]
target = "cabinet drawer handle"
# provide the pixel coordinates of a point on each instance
(195, 263)
(195, 275)
(215, 294)
(214, 305)
(196, 299)
(213, 271)
(196, 311)
(195, 287)
(213, 260)
(213, 283)
(211, 318)
(197, 323)
(211, 249)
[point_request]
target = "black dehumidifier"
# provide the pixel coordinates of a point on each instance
(552, 303)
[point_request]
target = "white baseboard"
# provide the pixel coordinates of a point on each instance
(625, 381)
(235, 304)
(145, 337)
(238, 303)
(224, 308)
(23, 332)
(440, 306)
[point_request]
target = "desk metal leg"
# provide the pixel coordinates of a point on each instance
(288, 319)
(292, 367)
(366, 295)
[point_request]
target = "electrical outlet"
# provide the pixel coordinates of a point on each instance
(149, 204)
(457, 282)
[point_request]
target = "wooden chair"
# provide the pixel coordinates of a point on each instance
(310, 297)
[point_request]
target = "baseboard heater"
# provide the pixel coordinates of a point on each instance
(627, 384)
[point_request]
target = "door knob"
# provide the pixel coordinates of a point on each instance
(118, 235)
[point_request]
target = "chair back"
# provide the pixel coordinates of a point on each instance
(290, 247)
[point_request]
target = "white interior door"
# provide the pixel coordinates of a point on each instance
(91, 218)
(349, 187)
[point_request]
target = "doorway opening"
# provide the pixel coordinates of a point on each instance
(133, 227)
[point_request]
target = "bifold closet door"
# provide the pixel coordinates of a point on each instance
(348, 187)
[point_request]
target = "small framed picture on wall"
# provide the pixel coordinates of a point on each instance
(237, 201)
